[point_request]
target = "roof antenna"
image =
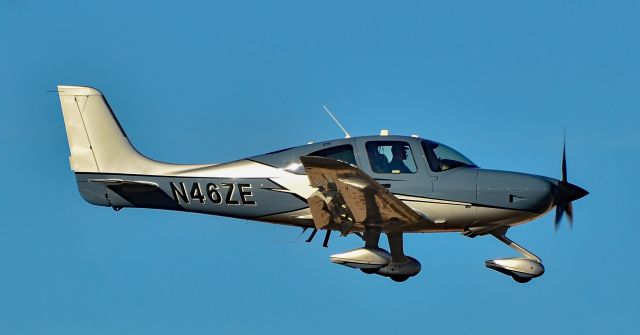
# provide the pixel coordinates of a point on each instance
(346, 135)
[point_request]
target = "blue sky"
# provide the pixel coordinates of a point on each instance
(204, 82)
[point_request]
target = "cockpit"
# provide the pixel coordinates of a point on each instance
(376, 154)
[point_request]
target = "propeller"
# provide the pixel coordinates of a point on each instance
(566, 193)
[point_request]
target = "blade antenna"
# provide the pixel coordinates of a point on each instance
(302, 232)
(346, 135)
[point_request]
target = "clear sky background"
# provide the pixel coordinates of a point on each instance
(212, 81)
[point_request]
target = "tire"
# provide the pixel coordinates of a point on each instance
(369, 271)
(399, 278)
(521, 280)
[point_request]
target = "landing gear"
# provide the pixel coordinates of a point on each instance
(373, 260)
(521, 269)
(401, 265)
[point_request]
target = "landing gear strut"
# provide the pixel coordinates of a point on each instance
(371, 239)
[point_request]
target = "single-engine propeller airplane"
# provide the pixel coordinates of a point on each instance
(365, 186)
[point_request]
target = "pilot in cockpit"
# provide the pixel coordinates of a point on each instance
(399, 152)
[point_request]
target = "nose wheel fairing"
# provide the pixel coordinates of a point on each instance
(521, 269)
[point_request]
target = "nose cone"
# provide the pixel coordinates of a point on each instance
(570, 192)
(513, 190)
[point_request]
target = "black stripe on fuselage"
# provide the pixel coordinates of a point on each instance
(427, 200)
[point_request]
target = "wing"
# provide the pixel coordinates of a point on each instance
(347, 196)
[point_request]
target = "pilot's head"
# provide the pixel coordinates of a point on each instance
(399, 151)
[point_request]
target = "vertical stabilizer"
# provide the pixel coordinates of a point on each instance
(96, 139)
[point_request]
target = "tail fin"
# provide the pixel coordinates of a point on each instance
(96, 139)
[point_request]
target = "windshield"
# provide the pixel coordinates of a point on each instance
(443, 158)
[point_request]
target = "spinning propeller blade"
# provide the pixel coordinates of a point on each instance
(566, 193)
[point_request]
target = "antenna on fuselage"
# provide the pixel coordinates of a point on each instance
(346, 135)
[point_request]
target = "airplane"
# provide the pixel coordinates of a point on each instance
(365, 186)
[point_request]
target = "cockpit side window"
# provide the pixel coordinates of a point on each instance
(442, 158)
(390, 157)
(341, 152)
